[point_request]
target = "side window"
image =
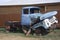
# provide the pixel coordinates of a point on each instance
(25, 11)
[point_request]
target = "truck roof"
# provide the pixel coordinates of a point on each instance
(30, 7)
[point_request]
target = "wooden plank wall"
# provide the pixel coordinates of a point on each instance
(9, 13)
(57, 8)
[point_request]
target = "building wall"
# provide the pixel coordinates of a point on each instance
(57, 8)
(9, 13)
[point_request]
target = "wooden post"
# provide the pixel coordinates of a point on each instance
(25, 31)
(28, 32)
(45, 8)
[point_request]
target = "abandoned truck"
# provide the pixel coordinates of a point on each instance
(32, 18)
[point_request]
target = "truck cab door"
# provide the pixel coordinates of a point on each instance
(25, 20)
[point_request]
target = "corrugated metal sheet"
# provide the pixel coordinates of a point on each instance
(24, 2)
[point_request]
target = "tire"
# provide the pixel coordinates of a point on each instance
(41, 30)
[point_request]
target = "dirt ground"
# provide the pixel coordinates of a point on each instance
(13, 36)
(19, 36)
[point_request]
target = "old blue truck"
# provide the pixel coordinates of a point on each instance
(31, 14)
(33, 19)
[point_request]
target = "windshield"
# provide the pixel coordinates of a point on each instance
(34, 10)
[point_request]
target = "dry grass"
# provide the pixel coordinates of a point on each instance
(19, 36)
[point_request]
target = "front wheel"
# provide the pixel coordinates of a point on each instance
(41, 30)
